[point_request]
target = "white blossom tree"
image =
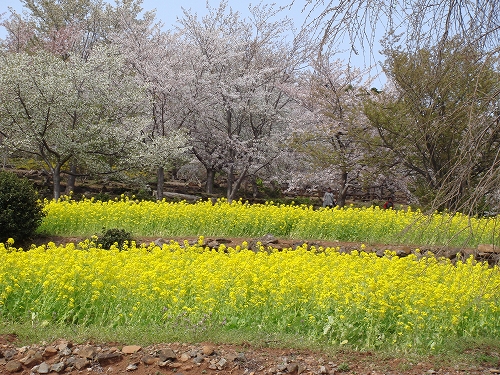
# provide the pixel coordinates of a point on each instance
(240, 69)
(63, 109)
(70, 30)
(331, 92)
(157, 58)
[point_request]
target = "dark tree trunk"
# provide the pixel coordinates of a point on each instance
(230, 180)
(344, 186)
(160, 182)
(209, 187)
(235, 186)
(56, 180)
(70, 182)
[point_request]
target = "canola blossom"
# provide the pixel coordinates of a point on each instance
(238, 219)
(355, 299)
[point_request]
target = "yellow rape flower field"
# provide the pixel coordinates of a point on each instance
(318, 295)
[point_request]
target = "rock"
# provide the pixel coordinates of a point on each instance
(402, 253)
(292, 367)
(9, 354)
(208, 350)
(49, 351)
(213, 244)
(185, 357)
(70, 361)
(322, 370)
(167, 354)
(131, 349)
(88, 352)
(65, 351)
(57, 367)
(486, 248)
(43, 368)
(131, 367)
(81, 363)
(149, 360)
(221, 363)
(281, 367)
(105, 359)
(199, 358)
(32, 358)
(159, 242)
(268, 239)
(272, 370)
(13, 366)
(63, 346)
(265, 241)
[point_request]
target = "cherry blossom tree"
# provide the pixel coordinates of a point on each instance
(157, 59)
(331, 92)
(63, 109)
(239, 71)
(69, 30)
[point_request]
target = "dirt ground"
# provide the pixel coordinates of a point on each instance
(279, 243)
(207, 358)
(65, 357)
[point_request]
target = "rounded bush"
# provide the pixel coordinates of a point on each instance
(112, 236)
(21, 211)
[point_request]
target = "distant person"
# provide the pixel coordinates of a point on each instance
(329, 199)
(389, 204)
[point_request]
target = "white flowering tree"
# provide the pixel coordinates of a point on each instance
(331, 92)
(157, 59)
(59, 110)
(69, 30)
(240, 69)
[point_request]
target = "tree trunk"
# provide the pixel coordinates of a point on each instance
(209, 187)
(70, 182)
(236, 186)
(344, 186)
(56, 178)
(160, 182)
(229, 186)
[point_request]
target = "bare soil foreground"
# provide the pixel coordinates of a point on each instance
(65, 357)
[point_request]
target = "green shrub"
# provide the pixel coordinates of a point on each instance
(21, 211)
(110, 236)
